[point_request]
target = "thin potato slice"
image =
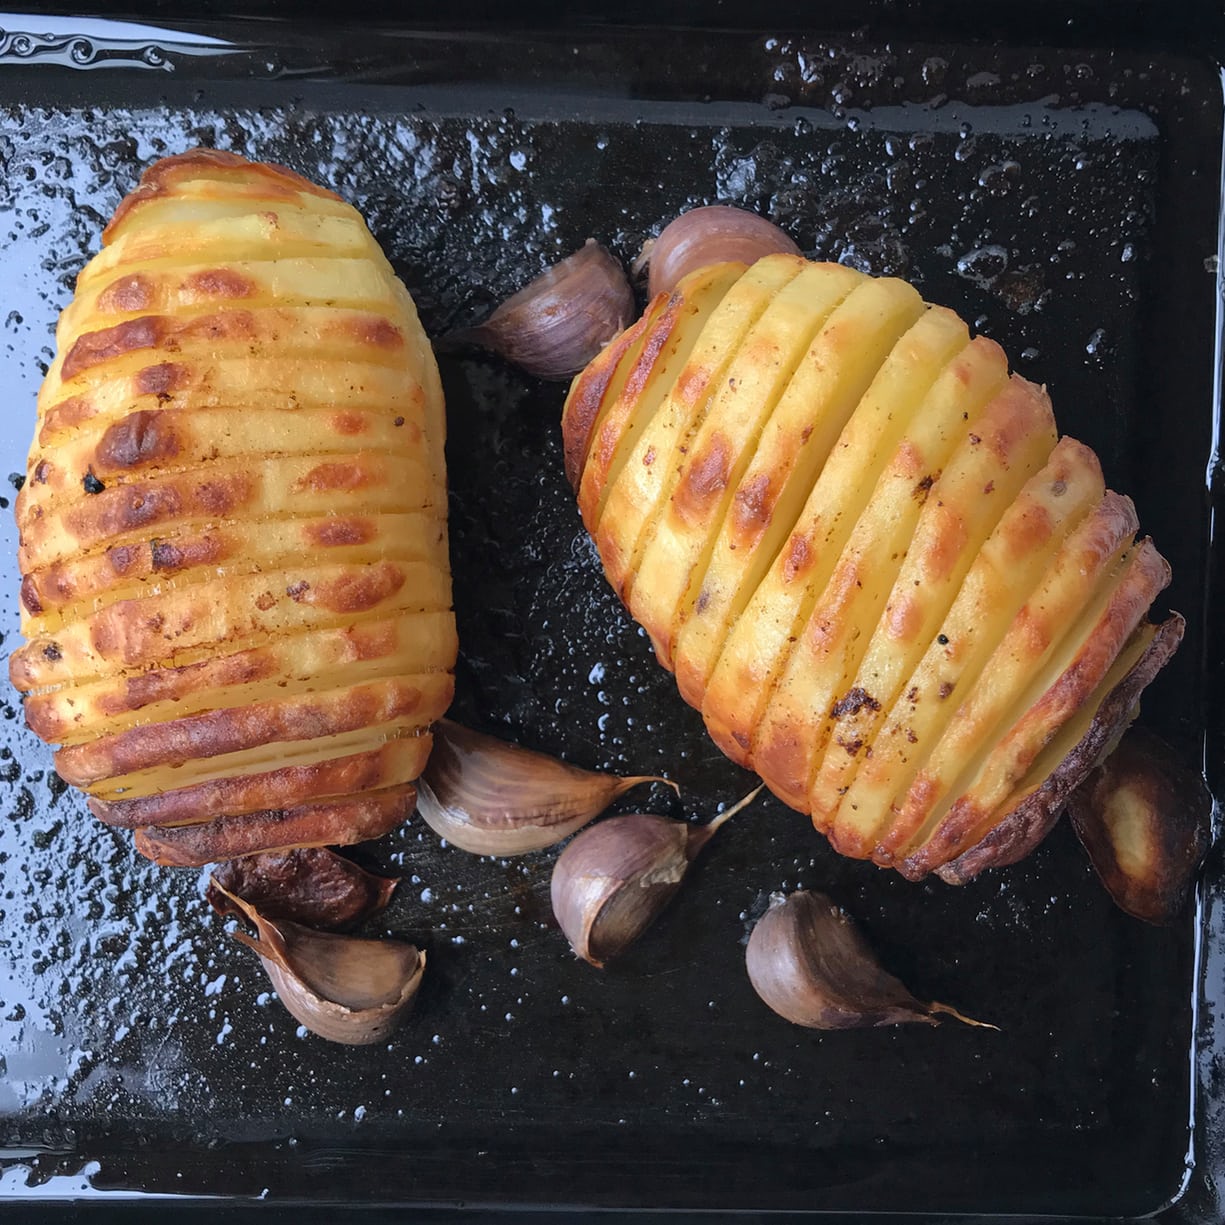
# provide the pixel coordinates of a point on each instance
(1007, 445)
(390, 764)
(1065, 684)
(169, 287)
(118, 763)
(286, 233)
(794, 723)
(153, 442)
(649, 471)
(599, 385)
(331, 823)
(713, 453)
(797, 439)
(139, 382)
(758, 642)
(666, 350)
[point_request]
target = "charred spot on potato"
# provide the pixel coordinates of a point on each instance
(91, 484)
(142, 437)
(52, 653)
(856, 699)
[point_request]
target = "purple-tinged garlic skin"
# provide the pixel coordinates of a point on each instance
(712, 234)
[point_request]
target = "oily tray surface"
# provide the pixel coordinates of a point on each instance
(142, 1045)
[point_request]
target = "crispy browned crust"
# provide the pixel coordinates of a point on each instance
(165, 175)
(308, 717)
(1026, 825)
(288, 785)
(333, 823)
(586, 398)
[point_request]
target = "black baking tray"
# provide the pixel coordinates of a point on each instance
(1058, 182)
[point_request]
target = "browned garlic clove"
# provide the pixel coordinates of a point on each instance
(713, 234)
(555, 325)
(344, 988)
(809, 962)
(611, 883)
(494, 798)
(1144, 819)
(310, 885)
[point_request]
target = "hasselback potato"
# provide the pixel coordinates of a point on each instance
(873, 566)
(233, 545)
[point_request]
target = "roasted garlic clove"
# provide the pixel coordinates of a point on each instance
(344, 988)
(611, 883)
(310, 885)
(810, 964)
(713, 234)
(554, 326)
(1143, 817)
(490, 797)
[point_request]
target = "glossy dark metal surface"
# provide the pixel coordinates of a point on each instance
(1066, 204)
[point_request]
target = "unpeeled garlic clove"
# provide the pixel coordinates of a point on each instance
(712, 234)
(490, 797)
(344, 988)
(810, 963)
(555, 325)
(313, 886)
(611, 883)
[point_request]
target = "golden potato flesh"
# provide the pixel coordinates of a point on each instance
(887, 585)
(235, 585)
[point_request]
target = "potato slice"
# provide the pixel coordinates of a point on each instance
(116, 766)
(1026, 817)
(792, 728)
(759, 640)
(795, 443)
(599, 385)
(1144, 817)
(1008, 566)
(648, 473)
(330, 823)
(172, 287)
(140, 383)
(390, 764)
(1008, 444)
(715, 450)
(150, 442)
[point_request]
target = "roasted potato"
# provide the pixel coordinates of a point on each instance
(857, 540)
(235, 584)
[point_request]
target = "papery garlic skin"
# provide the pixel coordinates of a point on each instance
(556, 324)
(490, 797)
(712, 234)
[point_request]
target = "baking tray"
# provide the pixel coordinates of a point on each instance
(1064, 195)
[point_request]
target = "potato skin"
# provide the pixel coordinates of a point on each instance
(235, 584)
(946, 594)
